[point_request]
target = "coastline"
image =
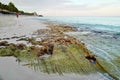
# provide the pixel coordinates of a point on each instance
(6, 12)
(66, 48)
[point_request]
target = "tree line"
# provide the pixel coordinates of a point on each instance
(10, 7)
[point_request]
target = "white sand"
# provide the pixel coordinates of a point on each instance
(11, 26)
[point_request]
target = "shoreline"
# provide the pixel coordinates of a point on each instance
(63, 44)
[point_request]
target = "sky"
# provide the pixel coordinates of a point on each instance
(69, 7)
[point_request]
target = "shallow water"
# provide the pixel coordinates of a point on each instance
(96, 23)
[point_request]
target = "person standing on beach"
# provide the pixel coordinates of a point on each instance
(17, 15)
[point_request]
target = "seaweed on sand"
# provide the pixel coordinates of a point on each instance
(66, 56)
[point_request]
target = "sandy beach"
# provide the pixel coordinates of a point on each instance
(22, 26)
(67, 61)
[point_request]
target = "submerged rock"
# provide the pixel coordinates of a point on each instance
(5, 38)
(4, 43)
(14, 37)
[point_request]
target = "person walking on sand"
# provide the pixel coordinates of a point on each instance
(17, 15)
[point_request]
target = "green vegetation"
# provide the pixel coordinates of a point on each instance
(65, 59)
(10, 7)
(20, 51)
(70, 61)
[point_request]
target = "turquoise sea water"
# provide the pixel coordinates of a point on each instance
(98, 23)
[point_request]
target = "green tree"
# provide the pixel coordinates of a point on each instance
(5, 7)
(12, 8)
(0, 5)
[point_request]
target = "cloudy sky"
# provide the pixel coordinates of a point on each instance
(69, 7)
